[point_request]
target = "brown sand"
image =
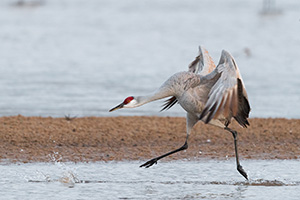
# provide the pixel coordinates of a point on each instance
(32, 139)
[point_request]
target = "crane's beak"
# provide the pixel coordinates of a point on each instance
(117, 107)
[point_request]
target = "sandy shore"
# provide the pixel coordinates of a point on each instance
(34, 139)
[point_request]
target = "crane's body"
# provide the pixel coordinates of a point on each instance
(208, 93)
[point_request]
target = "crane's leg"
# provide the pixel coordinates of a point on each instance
(239, 166)
(191, 120)
(154, 160)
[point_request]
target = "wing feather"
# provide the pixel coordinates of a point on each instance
(228, 95)
(169, 103)
(202, 64)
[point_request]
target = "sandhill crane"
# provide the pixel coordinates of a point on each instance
(208, 93)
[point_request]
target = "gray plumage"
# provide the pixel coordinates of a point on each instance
(214, 95)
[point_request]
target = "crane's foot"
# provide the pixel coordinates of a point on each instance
(150, 163)
(242, 171)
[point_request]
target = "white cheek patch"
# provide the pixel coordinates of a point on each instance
(131, 104)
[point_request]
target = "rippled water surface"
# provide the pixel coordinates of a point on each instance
(204, 179)
(82, 57)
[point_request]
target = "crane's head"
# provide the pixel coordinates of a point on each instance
(129, 102)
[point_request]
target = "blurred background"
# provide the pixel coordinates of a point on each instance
(81, 58)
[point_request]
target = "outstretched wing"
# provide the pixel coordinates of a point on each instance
(202, 64)
(228, 95)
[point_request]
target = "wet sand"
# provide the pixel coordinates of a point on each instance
(37, 139)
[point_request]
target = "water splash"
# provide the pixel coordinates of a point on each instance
(68, 176)
(39, 177)
(69, 179)
(55, 157)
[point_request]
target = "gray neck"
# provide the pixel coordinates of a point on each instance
(159, 94)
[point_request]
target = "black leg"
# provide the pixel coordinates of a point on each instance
(154, 160)
(239, 167)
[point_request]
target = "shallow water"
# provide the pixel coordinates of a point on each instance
(203, 179)
(82, 58)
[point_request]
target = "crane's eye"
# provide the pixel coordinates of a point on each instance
(128, 99)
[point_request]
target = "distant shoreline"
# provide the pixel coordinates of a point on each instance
(89, 139)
